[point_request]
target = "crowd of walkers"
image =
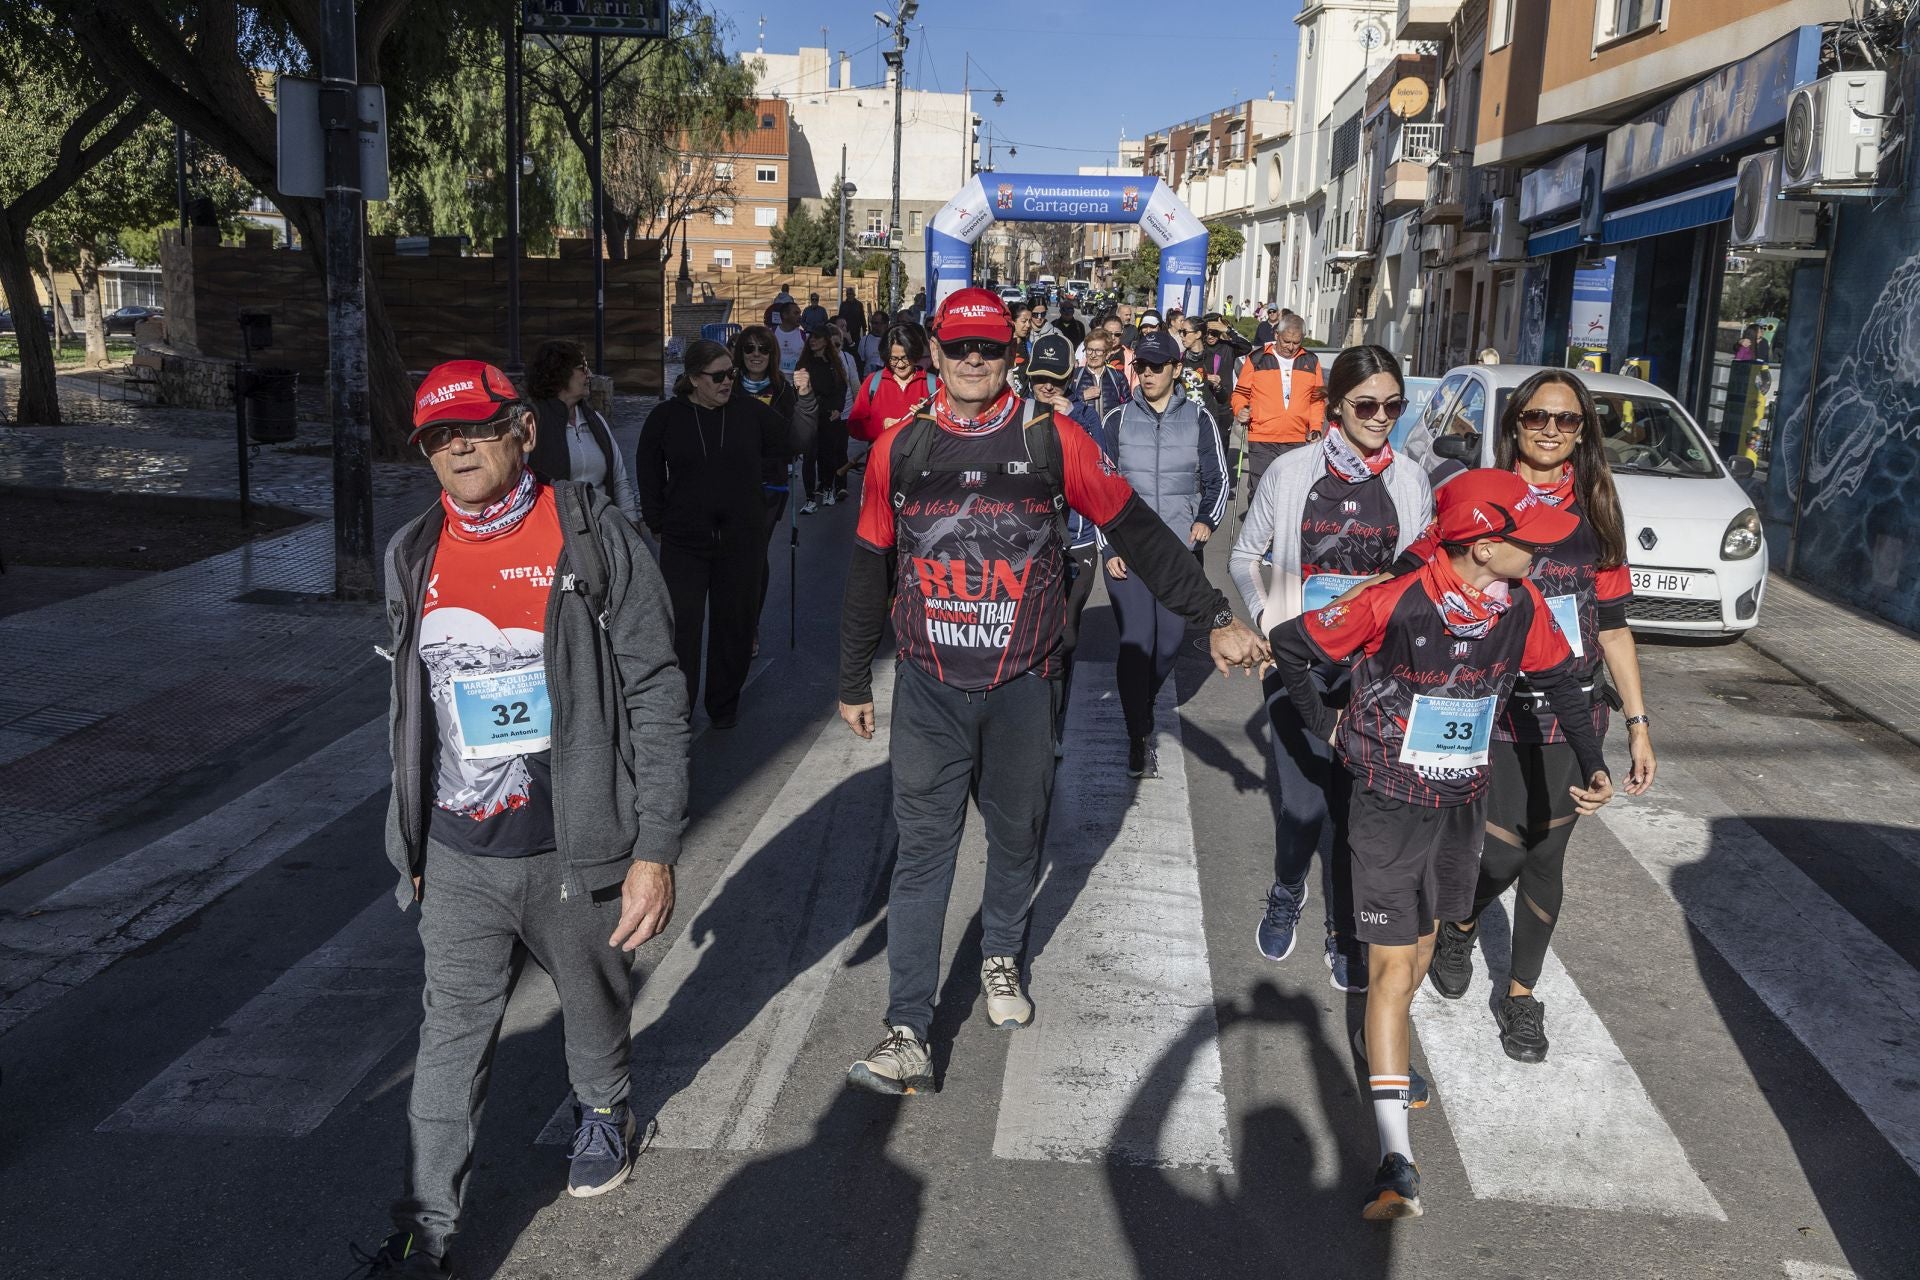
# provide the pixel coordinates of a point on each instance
(1438, 660)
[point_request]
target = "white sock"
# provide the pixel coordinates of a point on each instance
(1390, 1097)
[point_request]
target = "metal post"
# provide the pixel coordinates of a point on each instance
(840, 198)
(1813, 398)
(599, 256)
(180, 173)
(242, 378)
(897, 62)
(514, 146)
(347, 394)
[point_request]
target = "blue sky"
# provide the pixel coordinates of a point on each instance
(1074, 74)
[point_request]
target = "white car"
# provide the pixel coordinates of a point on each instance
(1694, 544)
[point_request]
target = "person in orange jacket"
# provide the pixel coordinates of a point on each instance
(1279, 394)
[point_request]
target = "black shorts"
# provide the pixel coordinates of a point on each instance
(1412, 864)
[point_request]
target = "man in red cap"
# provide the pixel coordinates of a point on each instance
(1434, 654)
(539, 782)
(970, 497)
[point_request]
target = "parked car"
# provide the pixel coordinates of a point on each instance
(1419, 391)
(46, 320)
(1694, 544)
(1012, 293)
(123, 320)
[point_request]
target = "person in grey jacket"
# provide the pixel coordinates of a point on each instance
(1168, 448)
(1329, 517)
(539, 734)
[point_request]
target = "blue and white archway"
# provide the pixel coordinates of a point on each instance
(1044, 197)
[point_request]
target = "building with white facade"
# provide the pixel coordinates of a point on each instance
(829, 111)
(1210, 163)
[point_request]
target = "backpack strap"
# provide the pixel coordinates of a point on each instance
(915, 444)
(873, 385)
(589, 557)
(1044, 459)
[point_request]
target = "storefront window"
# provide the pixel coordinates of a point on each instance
(1740, 407)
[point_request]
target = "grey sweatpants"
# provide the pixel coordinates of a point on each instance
(479, 920)
(947, 745)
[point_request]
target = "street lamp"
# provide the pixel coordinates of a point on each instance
(967, 150)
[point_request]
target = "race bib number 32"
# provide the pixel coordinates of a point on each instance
(1448, 733)
(503, 713)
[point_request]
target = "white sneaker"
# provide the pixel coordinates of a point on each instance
(826, 499)
(1006, 1007)
(807, 508)
(901, 1063)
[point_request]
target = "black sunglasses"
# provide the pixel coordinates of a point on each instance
(1150, 366)
(1567, 420)
(1368, 408)
(720, 375)
(755, 349)
(986, 348)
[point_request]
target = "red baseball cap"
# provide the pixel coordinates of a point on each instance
(1490, 503)
(461, 391)
(972, 313)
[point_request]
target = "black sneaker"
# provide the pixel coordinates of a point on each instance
(1396, 1191)
(397, 1256)
(602, 1155)
(1136, 757)
(1452, 966)
(1523, 1028)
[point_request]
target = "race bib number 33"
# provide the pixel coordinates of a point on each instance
(1448, 733)
(503, 713)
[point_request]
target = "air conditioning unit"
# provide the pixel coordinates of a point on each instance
(1833, 131)
(1763, 221)
(1509, 233)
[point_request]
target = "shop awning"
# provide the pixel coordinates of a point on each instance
(1695, 208)
(1553, 239)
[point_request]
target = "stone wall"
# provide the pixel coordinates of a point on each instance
(441, 306)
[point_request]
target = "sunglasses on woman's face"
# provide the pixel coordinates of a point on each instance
(754, 349)
(1367, 409)
(1566, 421)
(985, 348)
(719, 375)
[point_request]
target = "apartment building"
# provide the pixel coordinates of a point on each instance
(753, 173)
(1210, 162)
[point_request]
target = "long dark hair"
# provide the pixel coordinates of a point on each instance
(764, 336)
(701, 352)
(1592, 478)
(1351, 368)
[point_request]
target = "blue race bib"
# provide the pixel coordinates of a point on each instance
(1566, 612)
(503, 713)
(1448, 733)
(1322, 589)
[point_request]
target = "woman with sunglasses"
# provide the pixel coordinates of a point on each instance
(820, 465)
(894, 393)
(571, 440)
(1550, 436)
(1328, 517)
(755, 357)
(701, 463)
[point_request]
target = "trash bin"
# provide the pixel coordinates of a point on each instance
(270, 418)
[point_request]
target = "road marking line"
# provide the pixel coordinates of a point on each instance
(285, 1059)
(1847, 996)
(720, 1022)
(1577, 1130)
(1122, 983)
(73, 935)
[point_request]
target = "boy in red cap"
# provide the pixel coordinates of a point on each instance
(969, 500)
(1434, 655)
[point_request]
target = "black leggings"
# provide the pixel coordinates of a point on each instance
(1530, 818)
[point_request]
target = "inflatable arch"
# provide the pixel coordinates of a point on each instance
(1030, 197)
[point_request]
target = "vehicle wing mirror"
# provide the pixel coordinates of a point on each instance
(1740, 466)
(1460, 448)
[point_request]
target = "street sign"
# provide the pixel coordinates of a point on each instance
(303, 143)
(645, 19)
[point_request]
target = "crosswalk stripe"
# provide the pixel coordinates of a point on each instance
(286, 1058)
(1122, 1060)
(1846, 995)
(1577, 1130)
(74, 934)
(721, 1020)
(1815, 1271)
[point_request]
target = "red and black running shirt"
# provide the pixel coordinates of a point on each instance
(1406, 650)
(980, 592)
(1570, 578)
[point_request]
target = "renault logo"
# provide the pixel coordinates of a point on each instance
(1648, 537)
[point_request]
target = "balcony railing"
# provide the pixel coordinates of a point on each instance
(1447, 187)
(1419, 143)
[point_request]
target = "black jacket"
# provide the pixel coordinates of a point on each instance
(700, 472)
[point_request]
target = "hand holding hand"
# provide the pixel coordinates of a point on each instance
(646, 904)
(1238, 645)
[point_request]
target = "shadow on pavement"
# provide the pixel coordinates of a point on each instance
(1290, 1209)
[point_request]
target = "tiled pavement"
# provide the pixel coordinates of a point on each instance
(1854, 658)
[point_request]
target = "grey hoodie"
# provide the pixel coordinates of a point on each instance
(619, 753)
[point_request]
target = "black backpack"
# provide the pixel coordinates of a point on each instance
(1043, 460)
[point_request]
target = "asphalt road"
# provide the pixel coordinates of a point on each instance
(1732, 993)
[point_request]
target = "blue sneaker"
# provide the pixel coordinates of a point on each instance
(1347, 964)
(1278, 926)
(1419, 1092)
(602, 1154)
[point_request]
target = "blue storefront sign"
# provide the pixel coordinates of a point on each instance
(1731, 109)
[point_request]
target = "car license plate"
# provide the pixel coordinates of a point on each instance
(1674, 584)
